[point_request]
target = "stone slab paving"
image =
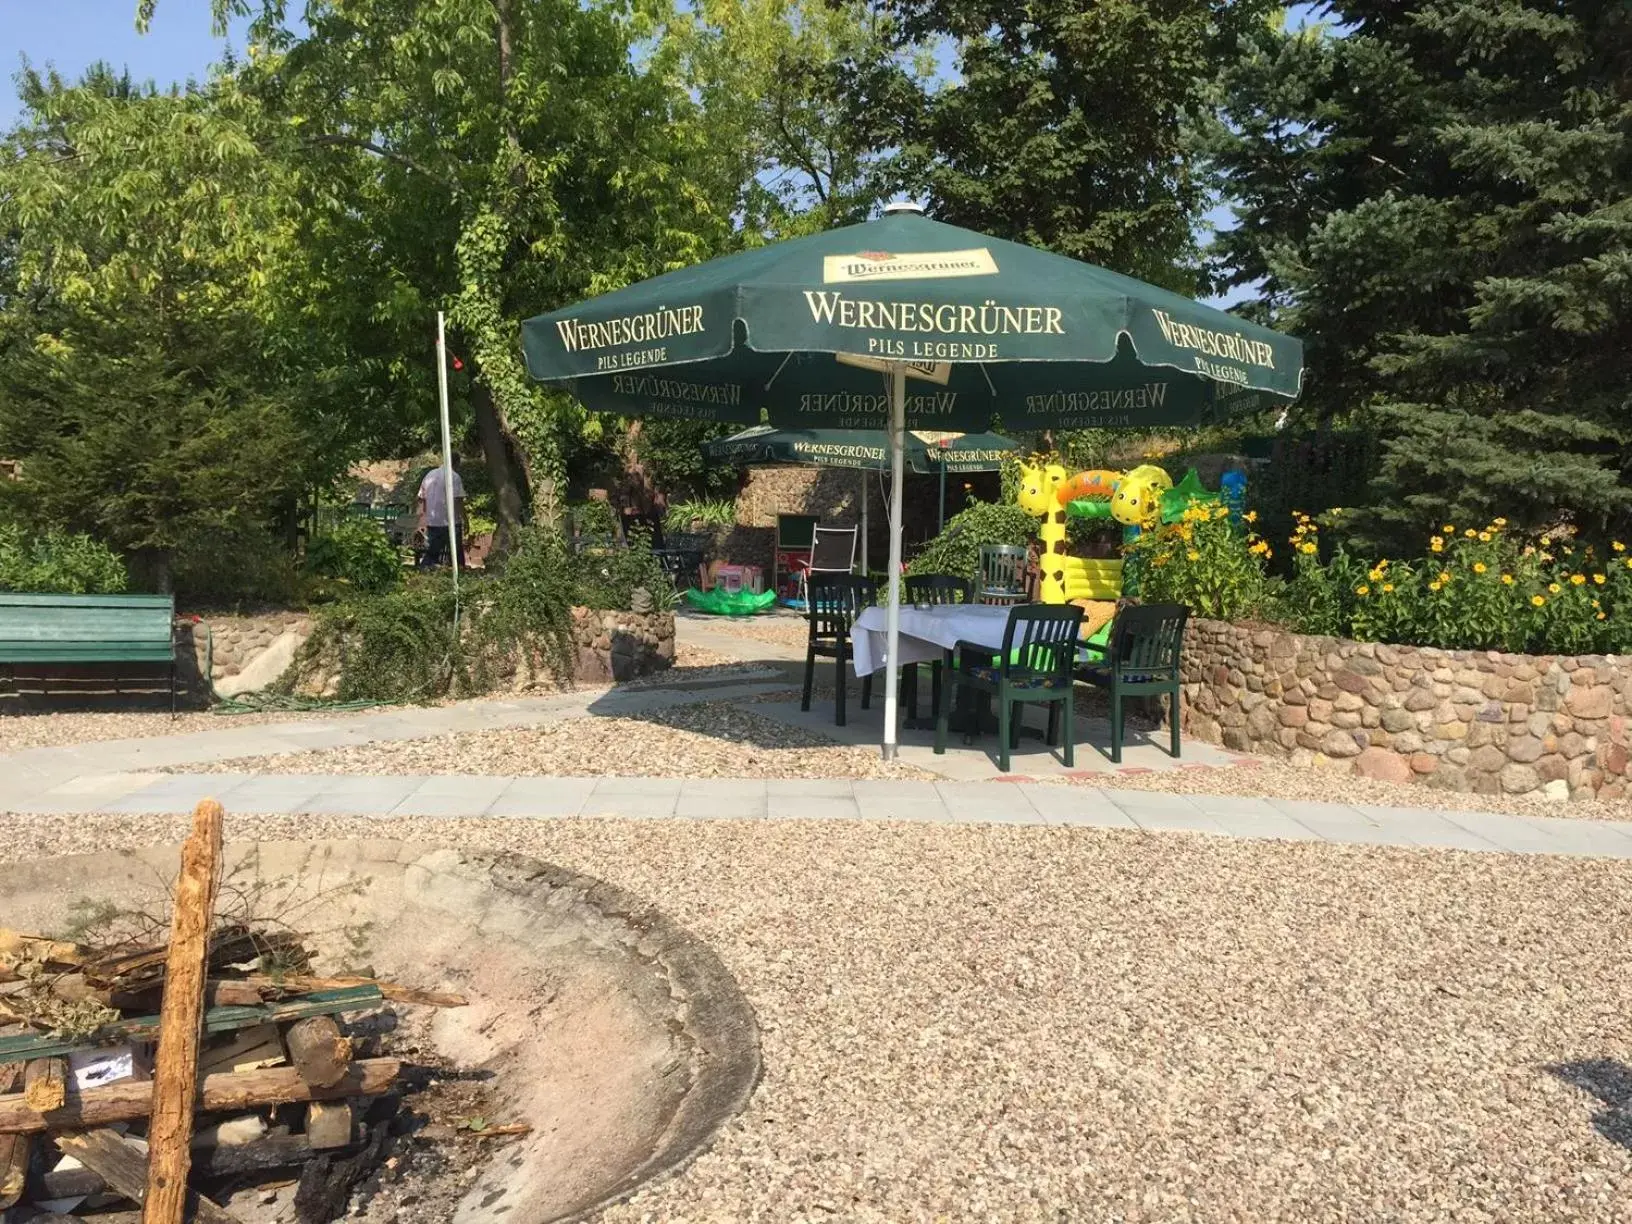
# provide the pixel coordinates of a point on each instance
(469, 796)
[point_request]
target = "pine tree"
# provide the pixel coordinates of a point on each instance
(1438, 198)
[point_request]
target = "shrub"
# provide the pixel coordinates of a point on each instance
(712, 513)
(1477, 589)
(608, 580)
(242, 564)
(957, 549)
(59, 564)
(1204, 562)
(353, 553)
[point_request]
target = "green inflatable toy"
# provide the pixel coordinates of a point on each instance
(1180, 497)
(729, 603)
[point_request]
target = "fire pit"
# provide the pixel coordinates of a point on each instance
(618, 1039)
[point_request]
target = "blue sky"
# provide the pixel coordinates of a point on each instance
(73, 34)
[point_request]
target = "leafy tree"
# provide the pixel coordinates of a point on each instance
(1436, 197)
(1066, 123)
(136, 386)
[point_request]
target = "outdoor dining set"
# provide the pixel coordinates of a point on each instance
(985, 644)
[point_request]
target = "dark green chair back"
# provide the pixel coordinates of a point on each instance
(1003, 573)
(835, 602)
(1147, 642)
(939, 589)
(1040, 643)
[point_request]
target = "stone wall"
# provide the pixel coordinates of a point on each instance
(1485, 722)
(617, 646)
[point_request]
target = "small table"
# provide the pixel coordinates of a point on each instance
(928, 633)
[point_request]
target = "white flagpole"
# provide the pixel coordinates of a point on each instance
(892, 674)
(447, 454)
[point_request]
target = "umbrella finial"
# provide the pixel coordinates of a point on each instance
(895, 207)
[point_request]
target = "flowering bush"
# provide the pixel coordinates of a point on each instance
(1203, 561)
(1476, 589)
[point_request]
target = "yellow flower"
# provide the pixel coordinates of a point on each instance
(1596, 604)
(1192, 555)
(1437, 544)
(1554, 587)
(1445, 577)
(1501, 522)
(1618, 546)
(1578, 580)
(1546, 556)
(1388, 588)
(1448, 529)
(1251, 516)
(1383, 564)
(1507, 579)
(1629, 563)
(1601, 616)
(1479, 567)
(1537, 600)
(1362, 590)
(1598, 579)
(1307, 548)
(1432, 586)
(1470, 533)
(1221, 512)
(1484, 537)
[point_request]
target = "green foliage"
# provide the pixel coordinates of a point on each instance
(671, 452)
(1204, 562)
(399, 647)
(1482, 588)
(712, 513)
(55, 563)
(1066, 123)
(1455, 258)
(609, 580)
(957, 549)
(238, 565)
(354, 553)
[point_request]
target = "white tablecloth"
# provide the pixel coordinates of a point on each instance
(926, 633)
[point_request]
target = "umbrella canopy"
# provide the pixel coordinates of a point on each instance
(963, 327)
(926, 453)
(984, 328)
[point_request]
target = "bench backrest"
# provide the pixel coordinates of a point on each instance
(86, 628)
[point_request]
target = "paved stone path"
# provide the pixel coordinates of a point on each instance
(109, 776)
(455, 796)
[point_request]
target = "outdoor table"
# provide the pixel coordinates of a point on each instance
(928, 634)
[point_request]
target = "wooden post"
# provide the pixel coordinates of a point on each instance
(175, 1078)
(318, 1051)
(328, 1124)
(45, 1084)
(14, 1150)
(226, 1093)
(127, 1173)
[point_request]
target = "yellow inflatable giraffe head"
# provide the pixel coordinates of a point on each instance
(1138, 498)
(1039, 485)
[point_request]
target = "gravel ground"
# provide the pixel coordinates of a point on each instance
(705, 740)
(1005, 1024)
(781, 629)
(1274, 780)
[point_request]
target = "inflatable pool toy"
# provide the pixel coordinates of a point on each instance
(1096, 484)
(720, 602)
(1188, 492)
(1039, 494)
(1138, 498)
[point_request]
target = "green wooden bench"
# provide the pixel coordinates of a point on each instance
(78, 629)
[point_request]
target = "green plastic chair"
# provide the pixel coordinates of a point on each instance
(1141, 660)
(1035, 667)
(835, 600)
(933, 590)
(1002, 578)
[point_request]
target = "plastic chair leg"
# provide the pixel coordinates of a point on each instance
(1116, 727)
(1069, 719)
(810, 680)
(867, 691)
(839, 690)
(1003, 707)
(1173, 717)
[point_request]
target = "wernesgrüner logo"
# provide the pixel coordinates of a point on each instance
(922, 265)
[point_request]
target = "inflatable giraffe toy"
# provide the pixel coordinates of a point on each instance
(1039, 489)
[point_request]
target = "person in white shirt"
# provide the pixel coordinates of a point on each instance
(433, 516)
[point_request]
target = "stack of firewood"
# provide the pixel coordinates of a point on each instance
(93, 1120)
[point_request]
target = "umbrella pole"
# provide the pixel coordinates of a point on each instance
(865, 477)
(892, 640)
(940, 519)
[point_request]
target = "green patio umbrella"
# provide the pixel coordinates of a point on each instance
(928, 454)
(904, 322)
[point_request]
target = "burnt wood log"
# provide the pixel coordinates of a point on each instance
(233, 1092)
(125, 1170)
(231, 1160)
(325, 1183)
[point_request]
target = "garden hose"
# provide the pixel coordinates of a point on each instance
(267, 702)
